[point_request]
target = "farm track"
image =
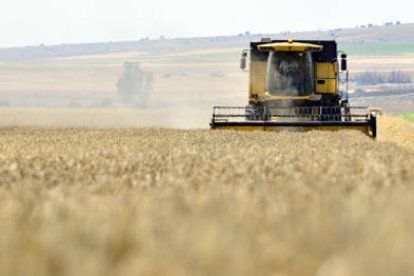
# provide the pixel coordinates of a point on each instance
(199, 202)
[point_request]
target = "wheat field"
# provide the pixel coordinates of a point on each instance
(147, 201)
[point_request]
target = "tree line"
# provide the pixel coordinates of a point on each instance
(372, 77)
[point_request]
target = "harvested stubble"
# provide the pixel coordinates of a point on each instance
(199, 202)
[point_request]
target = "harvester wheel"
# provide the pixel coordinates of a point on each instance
(373, 124)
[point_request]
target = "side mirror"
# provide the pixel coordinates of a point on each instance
(344, 63)
(243, 61)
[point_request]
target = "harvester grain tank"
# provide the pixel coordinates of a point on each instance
(295, 85)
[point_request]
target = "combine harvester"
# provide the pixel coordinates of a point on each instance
(296, 85)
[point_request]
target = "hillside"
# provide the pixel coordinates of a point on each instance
(374, 40)
(189, 76)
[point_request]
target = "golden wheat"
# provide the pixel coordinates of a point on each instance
(200, 202)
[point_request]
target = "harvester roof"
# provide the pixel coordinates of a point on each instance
(290, 46)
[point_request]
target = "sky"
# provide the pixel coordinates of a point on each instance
(35, 22)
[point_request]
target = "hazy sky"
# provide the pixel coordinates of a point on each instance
(31, 22)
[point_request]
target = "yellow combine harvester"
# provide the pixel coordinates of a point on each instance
(295, 84)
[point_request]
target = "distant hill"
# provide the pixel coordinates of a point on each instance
(365, 40)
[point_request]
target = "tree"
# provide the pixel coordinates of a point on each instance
(373, 78)
(399, 77)
(134, 87)
(369, 78)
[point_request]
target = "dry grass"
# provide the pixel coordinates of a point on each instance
(75, 118)
(171, 117)
(199, 202)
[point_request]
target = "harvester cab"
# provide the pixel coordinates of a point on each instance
(295, 84)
